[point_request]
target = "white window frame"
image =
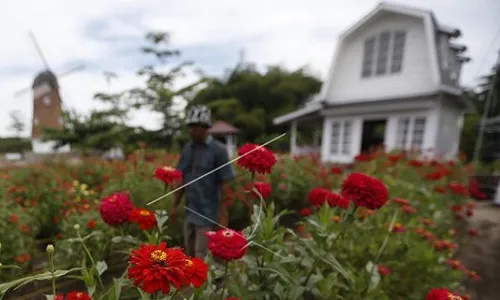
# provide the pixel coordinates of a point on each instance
(383, 53)
(342, 148)
(409, 139)
(368, 61)
(400, 51)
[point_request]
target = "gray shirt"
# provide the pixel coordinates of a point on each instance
(204, 195)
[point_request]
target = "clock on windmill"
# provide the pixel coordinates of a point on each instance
(47, 108)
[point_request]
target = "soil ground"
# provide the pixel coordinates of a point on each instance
(482, 253)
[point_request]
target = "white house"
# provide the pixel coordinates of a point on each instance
(394, 79)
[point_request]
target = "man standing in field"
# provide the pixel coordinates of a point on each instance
(200, 156)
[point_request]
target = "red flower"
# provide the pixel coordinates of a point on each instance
(408, 209)
(458, 189)
(144, 218)
(442, 294)
(227, 244)
(91, 224)
(398, 227)
(258, 161)
(78, 296)
(336, 170)
(155, 267)
(472, 232)
(196, 272)
(317, 196)
(115, 209)
(233, 298)
(365, 191)
(336, 200)
(455, 264)
(383, 270)
(306, 211)
(263, 188)
(168, 175)
(401, 201)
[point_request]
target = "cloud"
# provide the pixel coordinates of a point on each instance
(106, 36)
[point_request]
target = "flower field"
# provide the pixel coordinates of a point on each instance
(387, 227)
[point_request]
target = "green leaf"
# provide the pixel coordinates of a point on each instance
(101, 267)
(372, 270)
(17, 283)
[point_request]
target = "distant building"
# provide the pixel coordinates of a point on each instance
(393, 80)
(47, 112)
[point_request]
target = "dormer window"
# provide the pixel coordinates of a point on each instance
(383, 53)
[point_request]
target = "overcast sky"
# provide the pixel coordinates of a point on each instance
(105, 35)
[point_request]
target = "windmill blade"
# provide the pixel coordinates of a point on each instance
(39, 50)
(22, 91)
(73, 70)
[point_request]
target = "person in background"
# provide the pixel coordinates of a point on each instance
(200, 156)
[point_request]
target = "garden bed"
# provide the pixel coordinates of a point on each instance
(313, 235)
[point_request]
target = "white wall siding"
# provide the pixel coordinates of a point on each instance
(449, 131)
(414, 78)
(391, 130)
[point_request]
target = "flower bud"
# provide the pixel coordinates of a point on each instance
(50, 248)
(77, 226)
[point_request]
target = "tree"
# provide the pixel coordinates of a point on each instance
(17, 124)
(94, 131)
(250, 99)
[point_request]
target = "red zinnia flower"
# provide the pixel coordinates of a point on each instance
(258, 161)
(336, 200)
(91, 224)
(227, 244)
(155, 267)
(306, 211)
(144, 218)
(78, 296)
(398, 227)
(442, 294)
(336, 170)
(115, 209)
(401, 201)
(317, 196)
(383, 270)
(408, 209)
(365, 191)
(168, 175)
(196, 272)
(263, 188)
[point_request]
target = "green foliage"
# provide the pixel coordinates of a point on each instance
(250, 99)
(14, 145)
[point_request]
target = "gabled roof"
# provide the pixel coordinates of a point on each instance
(221, 127)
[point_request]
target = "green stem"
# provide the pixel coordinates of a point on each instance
(52, 270)
(224, 281)
(173, 295)
(380, 251)
(91, 259)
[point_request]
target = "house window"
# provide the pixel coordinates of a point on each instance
(335, 141)
(341, 137)
(346, 137)
(383, 52)
(417, 140)
(402, 132)
(397, 51)
(368, 53)
(410, 132)
(390, 49)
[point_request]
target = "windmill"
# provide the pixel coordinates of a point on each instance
(47, 102)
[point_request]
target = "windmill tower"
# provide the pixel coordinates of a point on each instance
(47, 105)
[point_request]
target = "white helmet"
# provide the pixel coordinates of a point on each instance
(199, 114)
